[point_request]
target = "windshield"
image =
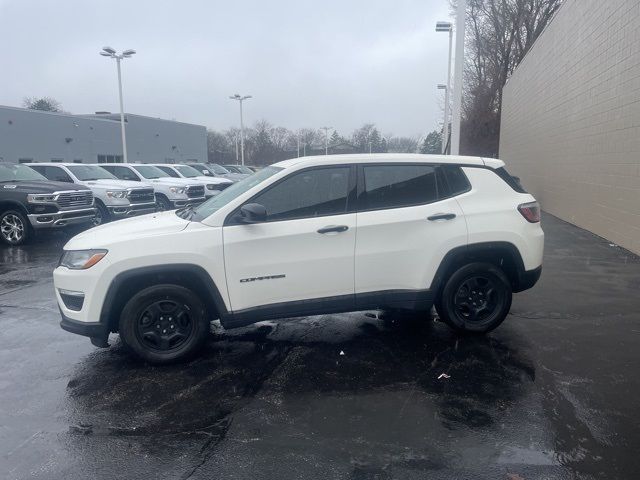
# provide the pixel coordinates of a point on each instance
(12, 173)
(150, 172)
(216, 203)
(217, 169)
(187, 171)
(90, 172)
(232, 168)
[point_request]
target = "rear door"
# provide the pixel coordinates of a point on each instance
(407, 222)
(303, 251)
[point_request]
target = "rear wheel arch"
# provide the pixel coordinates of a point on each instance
(126, 284)
(503, 255)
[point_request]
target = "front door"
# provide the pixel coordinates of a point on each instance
(302, 255)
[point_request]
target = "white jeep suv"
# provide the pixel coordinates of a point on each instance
(171, 192)
(307, 236)
(114, 198)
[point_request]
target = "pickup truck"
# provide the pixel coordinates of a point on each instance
(214, 185)
(171, 193)
(30, 202)
(115, 198)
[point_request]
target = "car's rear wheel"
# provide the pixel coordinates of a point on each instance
(164, 323)
(476, 298)
(14, 227)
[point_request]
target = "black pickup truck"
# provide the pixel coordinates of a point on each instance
(28, 202)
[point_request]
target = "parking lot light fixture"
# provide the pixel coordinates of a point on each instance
(240, 99)
(111, 53)
(446, 27)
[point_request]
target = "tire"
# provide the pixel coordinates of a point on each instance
(162, 204)
(164, 323)
(102, 215)
(14, 227)
(475, 299)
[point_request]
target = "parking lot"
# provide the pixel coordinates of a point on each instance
(553, 393)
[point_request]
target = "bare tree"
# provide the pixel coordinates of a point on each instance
(500, 33)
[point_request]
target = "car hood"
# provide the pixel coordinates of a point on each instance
(214, 180)
(42, 186)
(115, 184)
(235, 176)
(175, 182)
(153, 224)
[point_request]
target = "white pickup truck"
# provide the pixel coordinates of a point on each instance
(114, 198)
(171, 193)
(214, 185)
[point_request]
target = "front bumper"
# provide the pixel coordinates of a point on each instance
(189, 201)
(96, 331)
(62, 218)
(131, 210)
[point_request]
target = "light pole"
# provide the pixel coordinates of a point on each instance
(241, 99)
(458, 77)
(445, 123)
(326, 139)
(298, 139)
(446, 27)
(110, 52)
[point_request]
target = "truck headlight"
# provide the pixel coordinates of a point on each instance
(212, 186)
(177, 189)
(81, 259)
(117, 194)
(34, 198)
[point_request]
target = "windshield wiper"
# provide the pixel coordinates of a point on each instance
(186, 212)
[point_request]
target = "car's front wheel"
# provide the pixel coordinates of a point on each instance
(164, 323)
(14, 227)
(476, 298)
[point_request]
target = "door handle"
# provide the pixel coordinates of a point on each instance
(442, 216)
(333, 228)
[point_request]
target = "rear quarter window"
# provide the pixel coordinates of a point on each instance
(513, 182)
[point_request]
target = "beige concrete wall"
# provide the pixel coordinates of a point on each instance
(571, 118)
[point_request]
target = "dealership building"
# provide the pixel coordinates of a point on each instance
(37, 136)
(571, 118)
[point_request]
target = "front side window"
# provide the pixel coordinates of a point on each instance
(395, 186)
(214, 204)
(169, 171)
(312, 193)
(86, 173)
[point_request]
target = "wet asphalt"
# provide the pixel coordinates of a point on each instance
(553, 393)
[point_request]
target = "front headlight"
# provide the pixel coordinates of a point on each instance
(81, 259)
(34, 198)
(177, 189)
(117, 194)
(212, 186)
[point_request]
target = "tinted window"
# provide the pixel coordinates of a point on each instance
(393, 186)
(313, 193)
(123, 173)
(170, 172)
(513, 182)
(55, 174)
(456, 180)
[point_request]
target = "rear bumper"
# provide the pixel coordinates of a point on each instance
(62, 218)
(527, 279)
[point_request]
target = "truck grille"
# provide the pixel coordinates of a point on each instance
(195, 191)
(75, 199)
(141, 195)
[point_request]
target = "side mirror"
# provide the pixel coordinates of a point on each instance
(253, 213)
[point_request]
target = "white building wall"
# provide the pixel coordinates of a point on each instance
(571, 118)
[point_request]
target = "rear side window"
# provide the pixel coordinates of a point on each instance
(513, 182)
(455, 179)
(395, 186)
(312, 193)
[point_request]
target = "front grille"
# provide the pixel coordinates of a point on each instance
(75, 199)
(195, 191)
(141, 195)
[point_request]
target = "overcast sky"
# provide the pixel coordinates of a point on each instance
(307, 63)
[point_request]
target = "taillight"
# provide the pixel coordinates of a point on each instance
(530, 211)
